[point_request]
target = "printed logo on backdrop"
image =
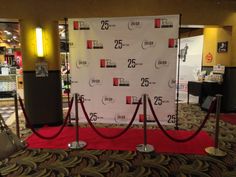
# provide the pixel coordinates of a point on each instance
(107, 63)
(171, 83)
(163, 23)
(121, 82)
(149, 118)
(161, 63)
(106, 25)
(173, 43)
(132, 63)
(81, 25)
(183, 86)
(145, 82)
(131, 100)
(171, 118)
(94, 116)
(95, 82)
(148, 44)
(82, 64)
(120, 118)
(119, 44)
(134, 24)
(107, 100)
(159, 100)
(82, 98)
(94, 44)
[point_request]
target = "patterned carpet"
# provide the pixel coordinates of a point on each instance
(6, 111)
(97, 163)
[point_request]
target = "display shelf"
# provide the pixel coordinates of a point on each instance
(7, 85)
(6, 94)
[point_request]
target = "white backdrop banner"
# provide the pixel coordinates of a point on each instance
(190, 64)
(116, 60)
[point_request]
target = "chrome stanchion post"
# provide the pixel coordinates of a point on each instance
(23, 143)
(16, 114)
(67, 68)
(215, 151)
(145, 147)
(77, 144)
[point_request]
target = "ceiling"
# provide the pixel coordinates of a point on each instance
(10, 34)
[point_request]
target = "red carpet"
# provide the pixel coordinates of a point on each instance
(231, 118)
(128, 141)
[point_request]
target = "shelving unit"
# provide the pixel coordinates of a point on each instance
(7, 85)
(10, 83)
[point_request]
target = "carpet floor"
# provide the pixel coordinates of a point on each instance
(114, 163)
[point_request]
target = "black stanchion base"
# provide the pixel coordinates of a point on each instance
(215, 152)
(77, 144)
(24, 143)
(144, 148)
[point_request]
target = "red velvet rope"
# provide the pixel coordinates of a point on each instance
(188, 138)
(35, 132)
(114, 136)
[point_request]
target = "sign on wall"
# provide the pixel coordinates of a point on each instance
(222, 47)
(208, 58)
(41, 68)
(116, 60)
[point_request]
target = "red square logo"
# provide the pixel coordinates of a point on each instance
(171, 43)
(128, 99)
(89, 44)
(141, 117)
(76, 25)
(157, 23)
(115, 81)
(102, 63)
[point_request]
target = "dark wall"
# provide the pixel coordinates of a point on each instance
(228, 88)
(43, 100)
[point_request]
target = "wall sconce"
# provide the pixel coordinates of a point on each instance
(39, 41)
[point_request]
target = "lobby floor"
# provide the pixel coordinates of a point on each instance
(47, 162)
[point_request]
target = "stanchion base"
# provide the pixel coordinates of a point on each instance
(144, 148)
(77, 144)
(176, 128)
(215, 152)
(24, 144)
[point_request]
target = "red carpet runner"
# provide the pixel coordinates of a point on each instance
(127, 141)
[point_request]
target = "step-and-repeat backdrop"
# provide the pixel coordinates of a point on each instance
(114, 61)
